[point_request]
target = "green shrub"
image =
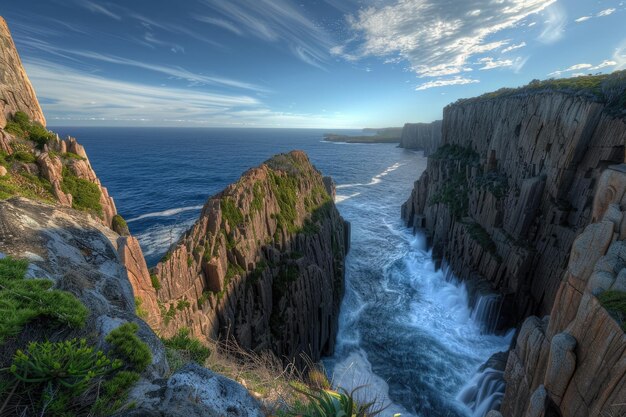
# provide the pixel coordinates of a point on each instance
(24, 300)
(24, 156)
(22, 127)
(56, 378)
(285, 189)
(119, 225)
(615, 303)
(114, 393)
(126, 346)
(231, 212)
(139, 311)
(156, 284)
(455, 194)
(70, 364)
(480, 235)
(85, 194)
(182, 346)
(330, 403)
(258, 197)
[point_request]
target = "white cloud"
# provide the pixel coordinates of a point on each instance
(490, 63)
(513, 47)
(584, 66)
(605, 12)
(619, 56)
(276, 21)
(436, 37)
(85, 98)
(458, 80)
(554, 26)
(582, 19)
(98, 8)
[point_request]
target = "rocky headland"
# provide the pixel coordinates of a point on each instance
(421, 136)
(384, 135)
(86, 329)
(507, 201)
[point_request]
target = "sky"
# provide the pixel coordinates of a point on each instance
(314, 63)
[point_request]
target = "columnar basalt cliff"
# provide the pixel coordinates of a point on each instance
(264, 264)
(512, 186)
(573, 363)
(16, 92)
(421, 136)
(62, 244)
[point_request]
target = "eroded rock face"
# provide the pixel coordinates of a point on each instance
(16, 92)
(421, 136)
(514, 186)
(264, 264)
(79, 255)
(574, 362)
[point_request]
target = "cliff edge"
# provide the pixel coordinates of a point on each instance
(264, 264)
(421, 136)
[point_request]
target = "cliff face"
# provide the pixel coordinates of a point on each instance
(505, 196)
(263, 264)
(573, 364)
(421, 136)
(16, 92)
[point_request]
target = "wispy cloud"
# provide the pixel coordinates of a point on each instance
(513, 47)
(436, 37)
(601, 13)
(458, 80)
(276, 21)
(490, 63)
(98, 8)
(69, 94)
(554, 25)
(584, 66)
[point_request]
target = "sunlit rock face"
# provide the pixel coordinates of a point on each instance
(16, 92)
(264, 264)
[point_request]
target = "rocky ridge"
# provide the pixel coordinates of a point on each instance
(573, 363)
(264, 264)
(512, 186)
(16, 91)
(421, 136)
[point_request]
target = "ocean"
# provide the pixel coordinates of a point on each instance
(406, 331)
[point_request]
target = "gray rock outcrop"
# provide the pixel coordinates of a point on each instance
(421, 136)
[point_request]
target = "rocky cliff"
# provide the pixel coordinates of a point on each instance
(573, 363)
(512, 185)
(421, 136)
(264, 264)
(16, 92)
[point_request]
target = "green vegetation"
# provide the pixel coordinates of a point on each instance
(57, 379)
(182, 304)
(22, 127)
(454, 194)
(85, 194)
(330, 403)
(496, 182)
(126, 346)
(156, 284)
(23, 156)
(23, 184)
(71, 155)
(605, 88)
(455, 152)
(385, 135)
(231, 212)
(258, 198)
(182, 348)
(285, 188)
(615, 303)
(119, 225)
(24, 300)
(139, 311)
(480, 235)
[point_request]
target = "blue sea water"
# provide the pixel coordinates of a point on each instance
(406, 331)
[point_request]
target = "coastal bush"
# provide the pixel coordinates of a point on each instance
(454, 194)
(85, 194)
(156, 284)
(55, 378)
(24, 300)
(456, 152)
(285, 189)
(126, 346)
(615, 303)
(231, 212)
(139, 311)
(119, 225)
(258, 198)
(182, 348)
(480, 235)
(21, 126)
(331, 403)
(23, 156)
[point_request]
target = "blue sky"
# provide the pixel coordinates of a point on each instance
(314, 63)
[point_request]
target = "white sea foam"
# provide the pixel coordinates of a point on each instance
(160, 237)
(165, 213)
(376, 179)
(339, 198)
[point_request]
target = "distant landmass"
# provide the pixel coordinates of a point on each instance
(384, 135)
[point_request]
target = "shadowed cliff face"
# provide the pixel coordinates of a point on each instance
(421, 136)
(16, 92)
(511, 188)
(264, 264)
(574, 362)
